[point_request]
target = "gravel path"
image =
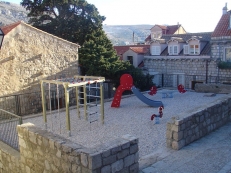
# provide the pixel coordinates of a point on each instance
(133, 117)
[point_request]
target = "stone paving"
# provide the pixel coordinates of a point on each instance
(211, 154)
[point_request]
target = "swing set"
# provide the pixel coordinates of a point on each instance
(87, 83)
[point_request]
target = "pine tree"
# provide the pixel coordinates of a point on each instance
(98, 57)
(69, 19)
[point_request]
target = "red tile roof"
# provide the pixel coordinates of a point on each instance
(166, 30)
(222, 28)
(121, 49)
(139, 50)
(6, 29)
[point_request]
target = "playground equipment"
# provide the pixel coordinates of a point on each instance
(153, 91)
(181, 88)
(157, 117)
(126, 83)
(77, 82)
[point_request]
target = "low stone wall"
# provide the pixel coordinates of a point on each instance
(42, 151)
(213, 88)
(9, 159)
(195, 124)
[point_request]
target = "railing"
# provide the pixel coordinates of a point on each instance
(8, 128)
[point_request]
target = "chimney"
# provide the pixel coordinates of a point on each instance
(225, 9)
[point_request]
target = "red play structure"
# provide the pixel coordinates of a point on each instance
(126, 83)
(181, 88)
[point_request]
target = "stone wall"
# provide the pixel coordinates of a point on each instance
(28, 55)
(195, 124)
(42, 151)
(195, 69)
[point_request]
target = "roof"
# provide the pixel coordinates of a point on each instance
(202, 36)
(222, 28)
(139, 50)
(121, 49)
(166, 30)
(6, 29)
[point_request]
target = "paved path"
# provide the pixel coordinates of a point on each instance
(211, 154)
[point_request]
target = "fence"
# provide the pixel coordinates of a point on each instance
(8, 125)
(173, 80)
(31, 103)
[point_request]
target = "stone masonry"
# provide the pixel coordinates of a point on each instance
(194, 69)
(42, 151)
(190, 126)
(29, 54)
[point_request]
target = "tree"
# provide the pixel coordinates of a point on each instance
(98, 57)
(69, 19)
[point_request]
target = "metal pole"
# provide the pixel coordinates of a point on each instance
(102, 102)
(44, 104)
(85, 102)
(68, 124)
(77, 101)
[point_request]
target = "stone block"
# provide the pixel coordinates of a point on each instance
(134, 168)
(177, 136)
(129, 160)
(123, 153)
(84, 159)
(175, 128)
(134, 148)
(132, 139)
(116, 150)
(169, 134)
(106, 153)
(117, 166)
(126, 145)
(106, 169)
(95, 161)
(109, 160)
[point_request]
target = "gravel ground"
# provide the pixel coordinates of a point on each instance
(132, 117)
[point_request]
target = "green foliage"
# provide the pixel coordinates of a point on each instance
(80, 22)
(68, 19)
(224, 65)
(98, 57)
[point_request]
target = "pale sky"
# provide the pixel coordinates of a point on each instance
(193, 15)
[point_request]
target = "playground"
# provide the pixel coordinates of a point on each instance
(132, 117)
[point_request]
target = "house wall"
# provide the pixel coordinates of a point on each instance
(42, 151)
(156, 30)
(218, 46)
(180, 31)
(136, 58)
(28, 55)
(194, 68)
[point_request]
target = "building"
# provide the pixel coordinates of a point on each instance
(29, 54)
(191, 58)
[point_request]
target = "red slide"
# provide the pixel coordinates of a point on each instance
(126, 82)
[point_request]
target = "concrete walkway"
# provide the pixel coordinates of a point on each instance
(211, 154)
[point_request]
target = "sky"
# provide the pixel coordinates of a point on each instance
(193, 15)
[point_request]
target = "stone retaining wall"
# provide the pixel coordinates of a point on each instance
(195, 124)
(194, 69)
(42, 151)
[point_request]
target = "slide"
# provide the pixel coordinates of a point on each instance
(146, 100)
(126, 83)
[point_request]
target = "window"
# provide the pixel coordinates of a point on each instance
(173, 50)
(155, 50)
(130, 59)
(186, 49)
(194, 49)
(227, 54)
